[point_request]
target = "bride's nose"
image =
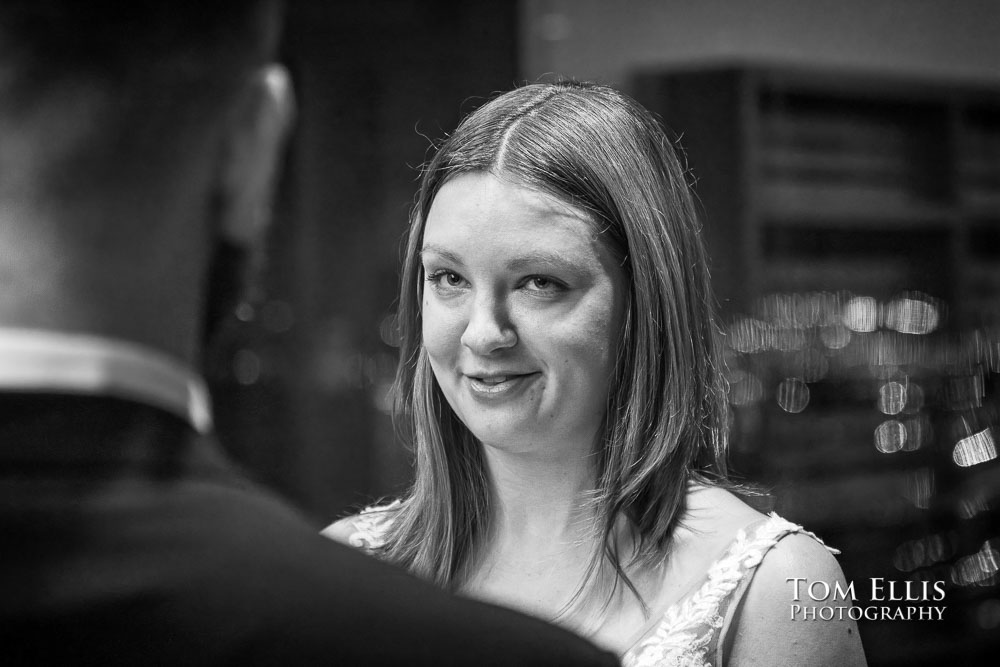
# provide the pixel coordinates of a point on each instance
(489, 328)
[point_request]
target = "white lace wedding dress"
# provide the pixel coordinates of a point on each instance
(693, 630)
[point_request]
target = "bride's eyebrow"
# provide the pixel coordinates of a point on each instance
(535, 257)
(530, 260)
(439, 253)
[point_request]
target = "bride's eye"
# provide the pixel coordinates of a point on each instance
(543, 285)
(444, 279)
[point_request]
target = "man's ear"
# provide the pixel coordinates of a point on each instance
(249, 168)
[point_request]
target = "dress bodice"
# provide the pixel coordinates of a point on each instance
(691, 631)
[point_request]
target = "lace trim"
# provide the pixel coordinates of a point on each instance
(685, 635)
(689, 628)
(371, 526)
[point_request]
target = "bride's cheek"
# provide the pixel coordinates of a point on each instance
(442, 332)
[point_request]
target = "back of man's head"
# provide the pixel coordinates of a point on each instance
(116, 89)
(116, 123)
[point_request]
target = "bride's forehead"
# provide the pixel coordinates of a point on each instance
(491, 208)
(486, 191)
(509, 237)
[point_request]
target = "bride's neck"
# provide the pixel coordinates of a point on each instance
(540, 556)
(541, 499)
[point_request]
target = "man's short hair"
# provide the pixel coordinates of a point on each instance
(45, 41)
(151, 71)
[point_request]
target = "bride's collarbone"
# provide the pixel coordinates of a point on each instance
(555, 591)
(543, 578)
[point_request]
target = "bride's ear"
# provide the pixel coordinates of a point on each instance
(255, 143)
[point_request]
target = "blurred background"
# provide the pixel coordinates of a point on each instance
(846, 156)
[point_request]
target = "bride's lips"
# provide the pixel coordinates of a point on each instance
(497, 385)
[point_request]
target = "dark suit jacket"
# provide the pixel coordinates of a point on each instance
(127, 539)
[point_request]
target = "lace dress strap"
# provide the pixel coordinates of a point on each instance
(372, 525)
(692, 631)
(776, 528)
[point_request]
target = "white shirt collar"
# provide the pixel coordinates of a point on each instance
(47, 361)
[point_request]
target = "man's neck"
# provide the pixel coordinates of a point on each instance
(123, 264)
(138, 298)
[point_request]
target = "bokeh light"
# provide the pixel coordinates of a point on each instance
(919, 432)
(835, 336)
(892, 398)
(975, 449)
(861, 314)
(979, 568)
(890, 436)
(793, 395)
(745, 389)
(911, 315)
(246, 367)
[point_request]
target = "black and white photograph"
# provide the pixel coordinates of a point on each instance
(507, 333)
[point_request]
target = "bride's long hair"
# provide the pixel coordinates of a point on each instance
(665, 425)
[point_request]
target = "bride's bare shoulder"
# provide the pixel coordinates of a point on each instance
(769, 630)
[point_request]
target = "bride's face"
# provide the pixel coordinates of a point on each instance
(521, 312)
